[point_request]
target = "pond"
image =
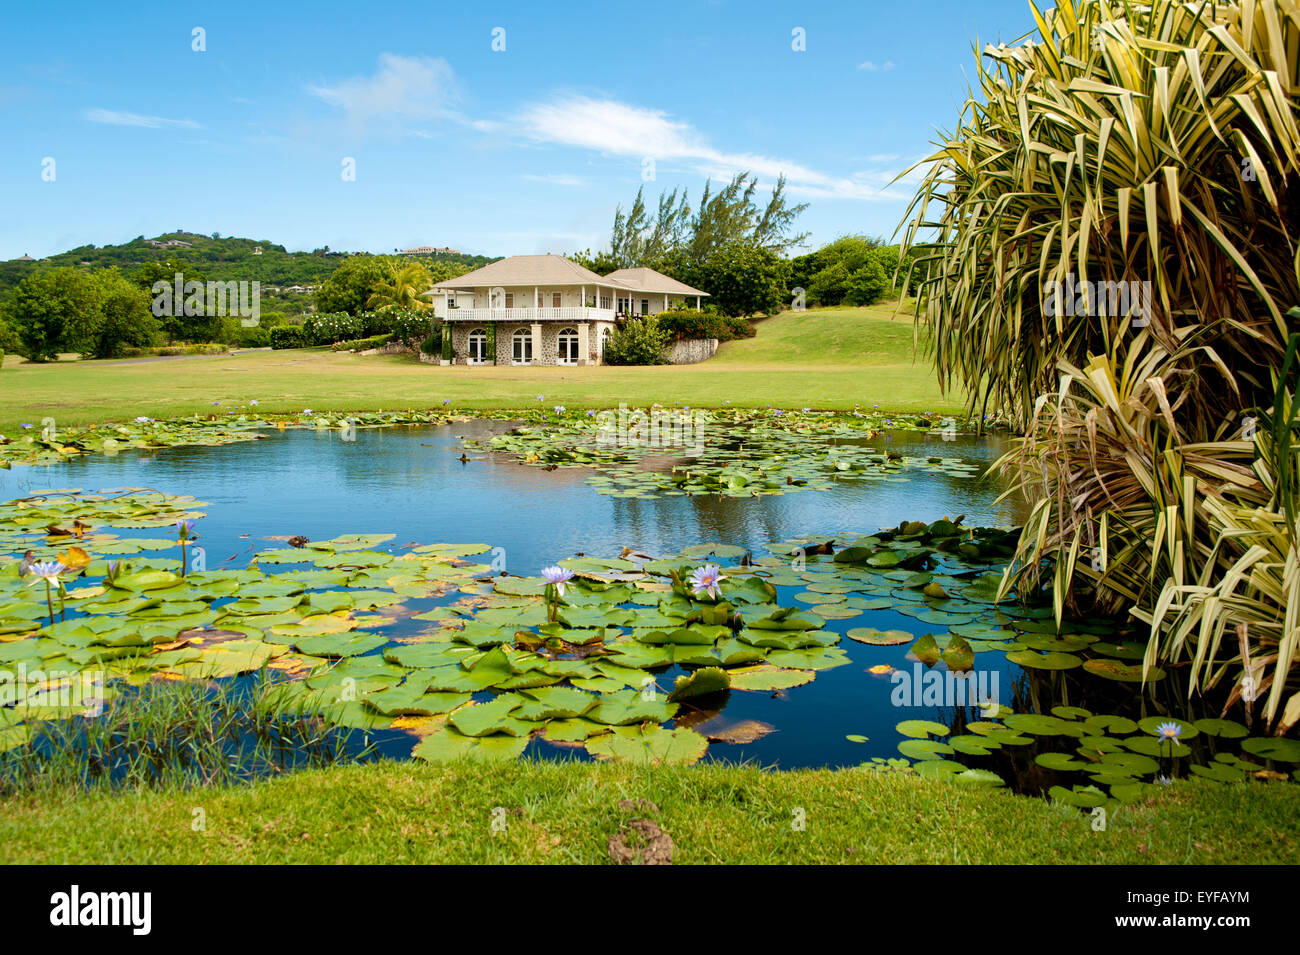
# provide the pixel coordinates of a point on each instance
(412, 482)
(419, 484)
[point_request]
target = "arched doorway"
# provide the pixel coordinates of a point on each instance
(521, 346)
(478, 346)
(568, 346)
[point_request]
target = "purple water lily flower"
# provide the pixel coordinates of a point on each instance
(705, 580)
(559, 409)
(557, 577)
(183, 529)
(1169, 731)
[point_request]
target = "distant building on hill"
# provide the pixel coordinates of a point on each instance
(428, 250)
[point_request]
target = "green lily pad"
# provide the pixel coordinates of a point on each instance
(448, 744)
(1273, 747)
(880, 638)
(1051, 660)
(920, 729)
(1120, 672)
(764, 678)
(924, 748)
(1225, 729)
(700, 683)
(651, 745)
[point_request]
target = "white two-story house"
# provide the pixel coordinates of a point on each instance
(546, 309)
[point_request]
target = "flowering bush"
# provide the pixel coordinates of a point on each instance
(326, 328)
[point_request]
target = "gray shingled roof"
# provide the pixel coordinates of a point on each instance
(648, 280)
(530, 270)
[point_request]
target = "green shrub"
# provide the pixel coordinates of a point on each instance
(867, 285)
(681, 324)
(638, 342)
(738, 327)
(433, 344)
(253, 337)
(327, 328)
(288, 336)
(167, 351)
(408, 325)
(361, 344)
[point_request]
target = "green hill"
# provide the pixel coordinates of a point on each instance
(218, 258)
(876, 335)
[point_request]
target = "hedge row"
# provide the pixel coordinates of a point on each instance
(684, 324)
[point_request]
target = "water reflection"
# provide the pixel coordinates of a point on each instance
(412, 482)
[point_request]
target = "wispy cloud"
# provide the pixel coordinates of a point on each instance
(619, 129)
(401, 90)
(116, 118)
(873, 67)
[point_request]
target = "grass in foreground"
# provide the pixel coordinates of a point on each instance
(393, 812)
(825, 359)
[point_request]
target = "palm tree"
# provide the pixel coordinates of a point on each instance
(404, 288)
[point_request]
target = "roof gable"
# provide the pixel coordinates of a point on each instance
(648, 280)
(529, 270)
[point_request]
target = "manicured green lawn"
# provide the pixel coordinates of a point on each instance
(411, 812)
(826, 359)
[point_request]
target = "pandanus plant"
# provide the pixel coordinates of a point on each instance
(1157, 144)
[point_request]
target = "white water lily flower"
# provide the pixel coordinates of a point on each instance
(47, 570)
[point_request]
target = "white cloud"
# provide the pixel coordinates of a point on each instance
(871, 67)
(402, 89)
(115, 118)
(619, 129)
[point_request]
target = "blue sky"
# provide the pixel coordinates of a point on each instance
(523, 150)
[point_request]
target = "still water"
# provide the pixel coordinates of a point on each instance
(412, 483)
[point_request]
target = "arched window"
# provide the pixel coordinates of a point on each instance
(521, 346)
(568, 346)
(604, 339)
(477, 346)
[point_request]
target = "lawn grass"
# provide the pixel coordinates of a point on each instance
(392, 812)
(825, 359)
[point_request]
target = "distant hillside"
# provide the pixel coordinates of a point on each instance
(218, 258)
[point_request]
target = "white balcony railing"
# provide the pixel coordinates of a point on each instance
(573, 313)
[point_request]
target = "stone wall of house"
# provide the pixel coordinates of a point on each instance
(550, 350)
(692, 350)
